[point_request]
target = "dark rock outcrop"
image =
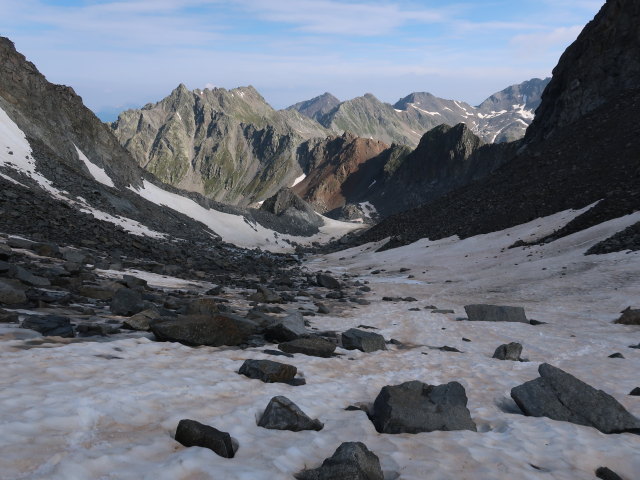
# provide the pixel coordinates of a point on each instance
(630, 316)
(126, 302)
(560, 396)
(282, 414)
(351, 461)
(414, 407)
(290, 207)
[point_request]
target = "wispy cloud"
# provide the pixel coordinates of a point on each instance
(344, 18)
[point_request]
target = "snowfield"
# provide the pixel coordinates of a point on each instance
(109, 409)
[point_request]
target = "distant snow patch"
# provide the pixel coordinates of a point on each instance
(97, 172)
(298, 180)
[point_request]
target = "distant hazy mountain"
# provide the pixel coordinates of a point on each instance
(317, 107)
(229, 145)
(502, 117)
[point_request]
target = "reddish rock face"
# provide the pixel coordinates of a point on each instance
(333, 161)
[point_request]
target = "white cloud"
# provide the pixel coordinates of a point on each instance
(344, 18)
(539, 43)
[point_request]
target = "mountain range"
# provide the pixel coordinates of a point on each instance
(231, 146)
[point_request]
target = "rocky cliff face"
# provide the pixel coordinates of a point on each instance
(581, 149)
(229, 145)
(601, 63)
(351, 177)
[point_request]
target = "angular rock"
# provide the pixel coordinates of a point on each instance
(50, 325)
(355, 339)
(561, 396)
(351, 461)
(25, 276)
(604, 473)
(202, 306)
(19, 242)
(194, 330)
(282, 414)
(265, 295)
(327, 281)
(510, 351)
(268, 371)
(495, 313)
(126, 302)
(11, 292)
(5, 252)
(629, 316)
(8, 317)
(414, 407)
(313, 346)
(141, 321)
(635, 392)
(134, 282)
(285, 329)
(195, 434)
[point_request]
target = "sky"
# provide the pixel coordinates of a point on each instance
(120, 54)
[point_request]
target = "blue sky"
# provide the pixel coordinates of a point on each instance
(125, 53)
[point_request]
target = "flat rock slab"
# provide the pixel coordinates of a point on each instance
(195, 434)
(268, 371)
(351, 461)
(313, 346)
(282, 414)
(414, 407)
(286, 329)
(355, 339)
(195, 330)
(560, 396)
(495, 313)
(50, 325)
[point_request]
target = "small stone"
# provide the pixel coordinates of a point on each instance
(351, 461)
(282, 414)
(354, 339)
(11, 292)
(195, 434)
(605, 474)
(268, 371)
(629, 317)
(635, 392)
(327, 281)
(509, 351)
(313, 346)
(616, 355)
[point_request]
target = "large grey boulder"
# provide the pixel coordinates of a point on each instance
(285, 329)
(351, 461)
(508, 351)
(313, 346)
(268, 371)
(49, 325)
(141, 321)
(11, 292)
(195, 434)
(126, 302)
(495, 313)
(561, 396)
(26, 277)
(356, 339)
(414, 407)
(194, 330)
(282, 414)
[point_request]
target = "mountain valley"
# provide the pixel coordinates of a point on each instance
(211, 288)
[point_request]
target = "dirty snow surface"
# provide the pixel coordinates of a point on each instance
(109, 409)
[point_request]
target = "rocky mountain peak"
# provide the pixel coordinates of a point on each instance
(317, 107)
(602, 62)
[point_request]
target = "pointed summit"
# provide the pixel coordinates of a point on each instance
(317, 107)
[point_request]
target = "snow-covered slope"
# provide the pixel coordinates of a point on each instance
(109, 409)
